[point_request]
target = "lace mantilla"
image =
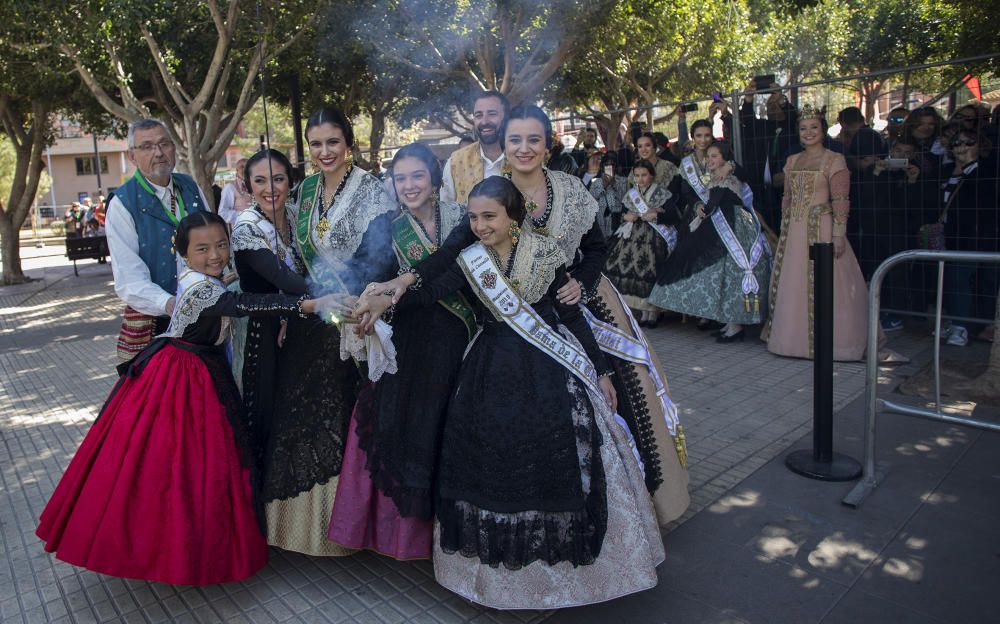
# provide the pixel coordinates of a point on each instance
(254, 231)
(729, 182)
(573, 212)
(196, 292)
(655, 196)
(535, 263)
(362, 200)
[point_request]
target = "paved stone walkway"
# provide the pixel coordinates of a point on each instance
(740, 407)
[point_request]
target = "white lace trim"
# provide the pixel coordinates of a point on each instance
(573, 212)
(196, 293)
(361, 202)
(535, 264)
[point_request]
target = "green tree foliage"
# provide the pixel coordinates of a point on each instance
(34, 84)
(643, 51)
(194, 64)
(455, 47)
(895, 33)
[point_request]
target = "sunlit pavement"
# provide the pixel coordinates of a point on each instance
(759, 544)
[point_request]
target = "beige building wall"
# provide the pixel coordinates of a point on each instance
(67, 185)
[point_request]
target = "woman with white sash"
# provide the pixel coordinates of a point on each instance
(542, 503)
(642, 242)
(561, 208)
(719, 269)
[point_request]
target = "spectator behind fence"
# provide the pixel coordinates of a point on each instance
(235, 195)
(867, 228)
(923, 128)
(970, 197)
(906, 201)
(585, 147)
(559, 158)
(609, 190)
(767, 143)
(894, 124)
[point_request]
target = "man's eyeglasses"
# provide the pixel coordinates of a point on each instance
(897, 119)
(966, 143)
(163, 146)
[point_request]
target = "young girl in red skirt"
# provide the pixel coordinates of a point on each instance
(162, 487)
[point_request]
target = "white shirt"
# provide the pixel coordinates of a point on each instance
(132, 281)
(490, 168)
(229, 208)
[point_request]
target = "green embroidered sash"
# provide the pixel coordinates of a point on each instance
(412, 247)
(309, 200)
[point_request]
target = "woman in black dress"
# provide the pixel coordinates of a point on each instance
(384, 500)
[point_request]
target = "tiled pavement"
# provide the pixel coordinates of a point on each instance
(740, 407)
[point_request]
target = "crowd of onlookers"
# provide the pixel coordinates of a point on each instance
(85, 218)
(923, 181)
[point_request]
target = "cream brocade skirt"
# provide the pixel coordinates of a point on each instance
(300, 523)
(631, 550)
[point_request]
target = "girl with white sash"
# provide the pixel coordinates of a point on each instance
(542, 504)
(642, 242)
(560, 207)
(719, 269)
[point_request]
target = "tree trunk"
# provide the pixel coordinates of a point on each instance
(377, 134)
(10, 238)
(29, 145)
(203, 173)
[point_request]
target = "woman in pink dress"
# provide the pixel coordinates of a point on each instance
(815, 209)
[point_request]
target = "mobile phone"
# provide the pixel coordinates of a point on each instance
(716, 96)
(896, 163)
(687, 108)
(764, 82)
(609, 170)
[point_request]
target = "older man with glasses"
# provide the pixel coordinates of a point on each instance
(141, 222)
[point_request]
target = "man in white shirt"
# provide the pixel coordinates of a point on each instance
(235, 196)
(141, 222)
(481, 159)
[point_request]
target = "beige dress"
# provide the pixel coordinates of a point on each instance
(813, 197)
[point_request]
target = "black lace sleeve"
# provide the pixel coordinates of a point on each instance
(265, 264)
(573, 319)
(452, 280)
(441, 260)
(251, 304)
(594, 250)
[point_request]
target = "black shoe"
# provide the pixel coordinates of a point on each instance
(710, 325)
(738, 336)
(653, 323)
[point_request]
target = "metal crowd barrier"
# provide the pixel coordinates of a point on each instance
(875, 473)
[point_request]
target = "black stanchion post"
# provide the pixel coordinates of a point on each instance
(821, 462)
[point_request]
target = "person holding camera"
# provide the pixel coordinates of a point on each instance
(608, 189)
(767, 143)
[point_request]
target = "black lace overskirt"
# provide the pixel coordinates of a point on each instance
(315, 394)
(399, 422)
(519, 444)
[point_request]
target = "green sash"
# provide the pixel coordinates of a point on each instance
(141, 179)
(308, 201)
(412, 247)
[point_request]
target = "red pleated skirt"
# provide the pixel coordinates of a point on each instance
(156, 490)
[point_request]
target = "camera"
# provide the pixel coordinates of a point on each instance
(687, 108)
(764, 82)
